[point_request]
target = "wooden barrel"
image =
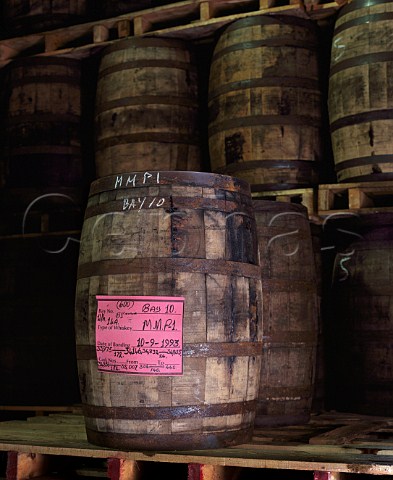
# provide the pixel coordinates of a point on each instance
(361, 321)
(171, 234)
(265, 103)
(147, 107)
(318, 399)
(42, 123)
(360, 92)
(41, 166)
(290, 313)
(21, 17)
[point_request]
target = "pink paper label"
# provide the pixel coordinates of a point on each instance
(140, 335)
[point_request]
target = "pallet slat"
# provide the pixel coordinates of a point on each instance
(190, 19)
(365, 197)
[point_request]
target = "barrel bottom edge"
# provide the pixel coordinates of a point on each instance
(157, 442)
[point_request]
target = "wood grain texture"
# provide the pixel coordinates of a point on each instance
(147, 108)
(361, 92)
(264, 103)
(42, 145)
(200, 244)
(290, 313)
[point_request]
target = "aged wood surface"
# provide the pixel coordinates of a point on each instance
(355, 198)
(284, 448)
(147, 108)
(265, 103)
(360, 92)
(184, 234)
(290, 313)
(190, 19)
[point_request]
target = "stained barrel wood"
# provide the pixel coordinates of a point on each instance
(177, 234)
(147, 107)
(265, 103)
(361, 92)
(361, 364)
(290, 314)
(27, 16)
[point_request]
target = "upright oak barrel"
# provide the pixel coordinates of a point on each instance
(173, 234)
(361, 91)
(361, 323)
(42, 144)
(147, 107)
(265, 103)
(42, 172)
(290, 313)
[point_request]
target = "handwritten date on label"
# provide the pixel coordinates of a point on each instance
(140, 335)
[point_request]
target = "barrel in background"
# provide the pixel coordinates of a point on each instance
(361, 365)
(42, 145)
(147, 107)
(265, 103)
(317, 237)
(171, 234)
(361, 92)
(42, 165)
(21, 17)
(290, 314)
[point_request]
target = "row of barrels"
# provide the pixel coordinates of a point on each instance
(264, 106)
(23, 17)
(246, 268)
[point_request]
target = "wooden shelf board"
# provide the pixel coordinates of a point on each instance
(54, 435)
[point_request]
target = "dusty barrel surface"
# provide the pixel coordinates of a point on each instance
(289, 313)
(361, 365)
(173, 234)
(27, 16)
(361, 91)
(265, 103)
(147, 107)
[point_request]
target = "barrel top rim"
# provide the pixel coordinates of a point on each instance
(145, 42)
(271, 20)
(168, 177)
(273, 206)
(358, 5)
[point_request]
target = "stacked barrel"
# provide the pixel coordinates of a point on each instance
(265, 119)
(361, 119)
(176, 210)
(43, 182)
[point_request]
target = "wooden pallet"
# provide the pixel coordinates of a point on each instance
(307, 197)
(329, 442)
(190, 20)
(366, 197)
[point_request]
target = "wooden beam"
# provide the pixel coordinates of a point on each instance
(212, 472)
(22, 466)
(122, 469)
